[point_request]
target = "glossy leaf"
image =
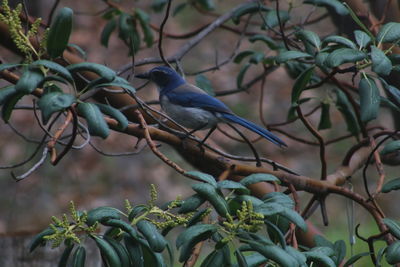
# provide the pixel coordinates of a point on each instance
(391, 147)
(335, 4)
(355, 258)
(301, 84)
(344, 106)
(6, 66)
(300, 258)
(248, 8)
(321, 255)
(107, 31)
(120, 249)
(203, 177)
(362, 39)
(274, 253)
(340, 251)
(206, 4)
(271, 19)
(242, 55)
(344, 55)
(290, 55)
(63, 262)
(191, 204)
(102, 214)
(115, 114)
(339, 40)
(394, 227)
(29, 81)
(215, 258)
(134, 250)
(238, 187)
(279, 198)
(266, 39)
(6, 92)
(325, 119)
(393, 253)
(191, 236)
(198, 216)
(381, 64)
(211, 194)
(107, 251)
(54, 67)
(258, 178)
(94, 118)
(124, 226)
(39, 238)
(389, 33)
(156, 241)
(369, 99)
(309, 37)
(59, 33)
(79, 257)
(104, 72)
(53, 102)
(204, 83)
(392, 91)
(144, 21)
(242, 72)
(9, 104)
(393, 184)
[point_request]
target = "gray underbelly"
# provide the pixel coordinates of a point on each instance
(192, 118)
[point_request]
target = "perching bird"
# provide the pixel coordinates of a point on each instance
(193, 108)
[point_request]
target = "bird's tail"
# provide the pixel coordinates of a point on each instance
(255, 128)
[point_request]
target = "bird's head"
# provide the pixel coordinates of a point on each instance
(163, 76)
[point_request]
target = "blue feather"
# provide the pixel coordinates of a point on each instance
(255, 128)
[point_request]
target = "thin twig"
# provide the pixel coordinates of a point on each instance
(53, 9)
(160, 50)
(34, 168)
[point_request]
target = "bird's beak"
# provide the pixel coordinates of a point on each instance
(144, 75)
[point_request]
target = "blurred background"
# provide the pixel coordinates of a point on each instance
(91, 179)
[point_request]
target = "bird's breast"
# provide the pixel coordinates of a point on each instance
(189, 117)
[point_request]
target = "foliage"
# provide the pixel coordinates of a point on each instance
(254, 230)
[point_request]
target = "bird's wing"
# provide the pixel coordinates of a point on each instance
(188, 95)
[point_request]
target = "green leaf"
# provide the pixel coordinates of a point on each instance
(301, 259)
(369, 99)
(258, 178)
(271, 19)
(394, 227)
(381, 64)
(197, 217)
(156, 241)
(210, 193)
(320, 256)
(9, 104)
(290, 55)
(248, 8)
(215, 258)
(301, 83)
(257, 57)
(6, 92)
(393, 253)
(107, 31)
(246, 198)
(124, 226)
(134, 250)
(191, 204)
(355, 258)
(339, 40)
(53, 102)
(102, 214)
(136, 211)
(242, 72)
(116, 83)
(65, 256)
(241, 260)
(309, 37)
(274, 253)
(335, 4)
(344, 55)
(203, 177)
(204, 83)
(266, 39)
(6, 66)
(393, 184)
(29, 81)
(392, 91)
(120, 249)
(206, 4)
(340, 251)
(391, 147)
(107, 251)
(191, 236)
(79, 49)
(54, 67)
(79, 257)
(94, 118)
(238, 187)
(239, 57)
(158, 5)
(116, 114)
(344, 106)
(279, 198)
(39, 238)
(178, 9)
(389, 33)
(105, 73)
(325, 119)
(59, 33)
(255, 259)
(144, 21)
(362, 38)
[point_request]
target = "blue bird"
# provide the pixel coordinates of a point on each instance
(193, 108)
